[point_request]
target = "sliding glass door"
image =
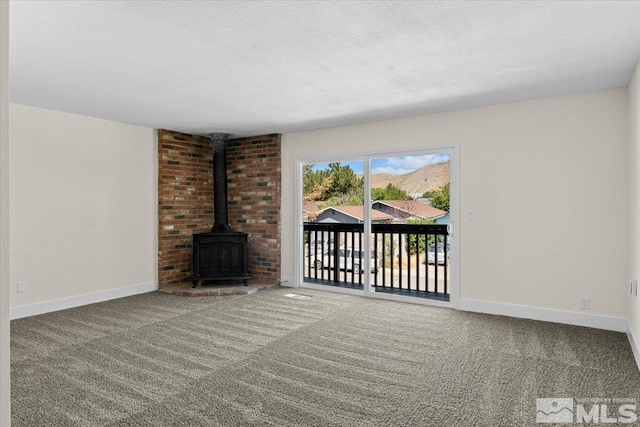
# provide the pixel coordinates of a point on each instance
(333, 217)
(410, 215)
(380, 225)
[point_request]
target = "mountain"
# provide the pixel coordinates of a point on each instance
(427, 178)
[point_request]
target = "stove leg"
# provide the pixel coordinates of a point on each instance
(195, 283)
(245, 282)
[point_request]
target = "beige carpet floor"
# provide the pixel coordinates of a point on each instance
(334, 360)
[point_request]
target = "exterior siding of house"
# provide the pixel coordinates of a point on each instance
(442, 220)
(330, 215)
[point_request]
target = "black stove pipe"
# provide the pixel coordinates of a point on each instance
(221, 215)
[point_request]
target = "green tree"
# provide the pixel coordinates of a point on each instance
(315, 184)
(411, 239)
(344, 179)
(338, 185)
(440, 198)
(354, 198)
(390, 192)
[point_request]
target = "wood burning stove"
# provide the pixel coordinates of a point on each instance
(221, 254)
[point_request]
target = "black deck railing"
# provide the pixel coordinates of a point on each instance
(406, 259)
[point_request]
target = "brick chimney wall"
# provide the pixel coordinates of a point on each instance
(185, 201)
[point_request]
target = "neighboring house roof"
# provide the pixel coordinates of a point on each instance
(310, 210)
(357, 212)
(414, 208)
(311, 207)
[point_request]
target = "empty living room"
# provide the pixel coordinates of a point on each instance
(319, 213)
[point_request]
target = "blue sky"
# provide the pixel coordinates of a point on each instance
(393, 165)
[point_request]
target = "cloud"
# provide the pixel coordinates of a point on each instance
(392, 165)
(406, 164)
(393, 170)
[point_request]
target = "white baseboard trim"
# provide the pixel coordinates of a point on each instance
(335, 289)
(633, 341)
(287, 282)
(610, 323)
(78, 300)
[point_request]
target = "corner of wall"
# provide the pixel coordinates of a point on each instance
(156, 175)
(5, 373)
(633, 308)
(634, 343)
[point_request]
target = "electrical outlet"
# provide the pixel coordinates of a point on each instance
(584, 303)
(470, 214)
(633, 288)
(21, 287)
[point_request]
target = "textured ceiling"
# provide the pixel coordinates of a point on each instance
(262, 67)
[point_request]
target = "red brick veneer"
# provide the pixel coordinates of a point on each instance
(185, 201)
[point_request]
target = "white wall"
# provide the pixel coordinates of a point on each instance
(546, 179)
(5, 375)
(83, 206)
(634, 197)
